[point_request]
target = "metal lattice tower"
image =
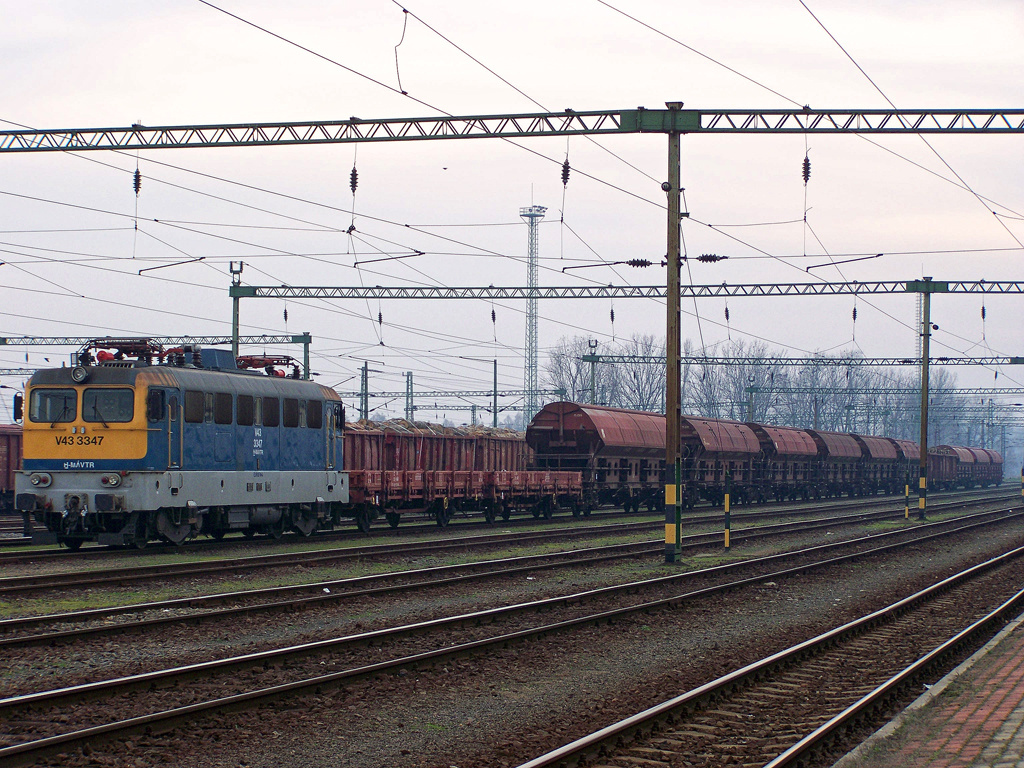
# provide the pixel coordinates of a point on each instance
(533, 214)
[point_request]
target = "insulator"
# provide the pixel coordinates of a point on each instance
(138, 181)
(638, 263)
(380, 318)
(612, 314)
(807, 169)
(353, 179)
(710, 258)
(494, 317)
(727, 314)
(286, 314)
(855, 314)
(565, 172)
(982, 311)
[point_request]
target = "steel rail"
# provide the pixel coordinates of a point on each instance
(92, 578)
(377, 584)
(625, 731)
(167, 719)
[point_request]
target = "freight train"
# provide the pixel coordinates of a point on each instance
(621, 457)
(10, 462)
(137, 443)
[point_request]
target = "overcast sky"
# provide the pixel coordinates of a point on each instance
(73, 254)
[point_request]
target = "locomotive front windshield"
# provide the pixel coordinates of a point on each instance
(108, 405)
(52, 406)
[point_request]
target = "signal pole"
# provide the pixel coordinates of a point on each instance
(673, 395)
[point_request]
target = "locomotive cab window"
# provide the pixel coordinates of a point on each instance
(53, 405)
(105, 406)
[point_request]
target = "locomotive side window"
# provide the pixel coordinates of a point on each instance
(315, 414)
(195, 407)
(245, 411)
(108, 405)
(271, 412)
(291, 412)
(53, 405)
(222, 408)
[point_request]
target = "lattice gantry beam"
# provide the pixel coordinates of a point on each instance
(801, 361)
(620, 291)
(167, 341)
(567, 123)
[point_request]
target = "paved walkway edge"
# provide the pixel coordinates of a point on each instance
(850, 758)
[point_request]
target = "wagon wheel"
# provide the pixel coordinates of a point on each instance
(489, 512)
(393, 518)
(72, 544)
(363, 519)
(548, 508)
(441, 515)
(576, 511)
(506, 513)
(217, 534)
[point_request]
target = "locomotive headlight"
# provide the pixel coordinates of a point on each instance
(40, 479)
(111, 481)
(79, 374)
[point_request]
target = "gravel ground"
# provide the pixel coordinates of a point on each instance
(504, 708)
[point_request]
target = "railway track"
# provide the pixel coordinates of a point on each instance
(12, 546)
(176, 696)
(783, 710)
(67, 627)
(21, 585)
(192, 610)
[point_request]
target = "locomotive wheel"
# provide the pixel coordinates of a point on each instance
(170, 531)
(393, 518)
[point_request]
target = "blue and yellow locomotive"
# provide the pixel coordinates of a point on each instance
(141, 444)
